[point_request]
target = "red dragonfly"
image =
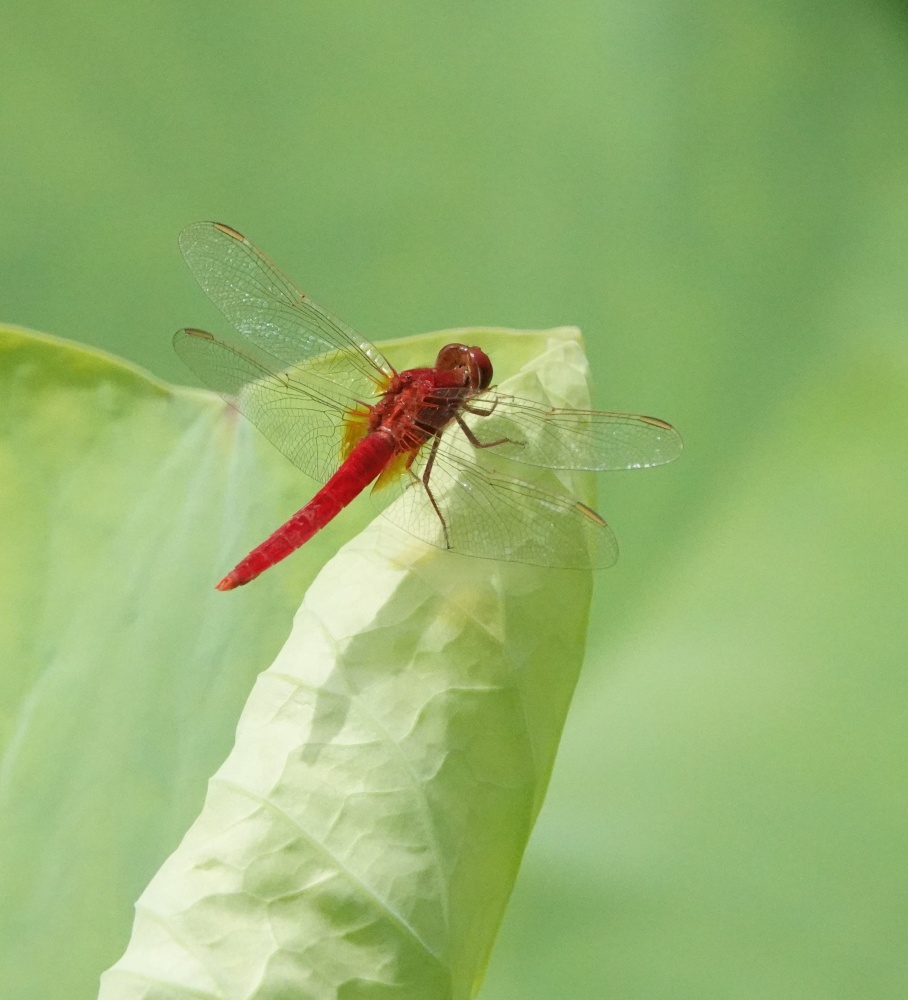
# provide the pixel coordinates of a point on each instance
(339, 411)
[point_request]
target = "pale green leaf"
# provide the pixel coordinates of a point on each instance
(363, 837)
(124, 500)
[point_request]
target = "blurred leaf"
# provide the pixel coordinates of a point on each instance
(121, 500)
(124, 500)
(730, 814)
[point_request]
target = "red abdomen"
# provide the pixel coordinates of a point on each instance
(364, 464)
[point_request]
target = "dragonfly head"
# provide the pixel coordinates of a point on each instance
(473, 361)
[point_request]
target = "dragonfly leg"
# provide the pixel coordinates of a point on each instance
(425, 481)
(479, 410)
(471, 437)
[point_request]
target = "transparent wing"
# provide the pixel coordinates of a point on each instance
(266, 307)
(554, 438)
(298, 410)
(496, 517)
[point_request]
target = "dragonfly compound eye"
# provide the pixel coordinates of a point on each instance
(453, 356)
(480, 368)
(472, 360)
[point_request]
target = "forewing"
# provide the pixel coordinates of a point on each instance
(557, 438)
(299, 412)
(496, 517)
(268, 309)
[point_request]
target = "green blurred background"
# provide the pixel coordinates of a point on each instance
(718, 195)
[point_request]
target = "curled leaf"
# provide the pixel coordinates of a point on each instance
(363, 836)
